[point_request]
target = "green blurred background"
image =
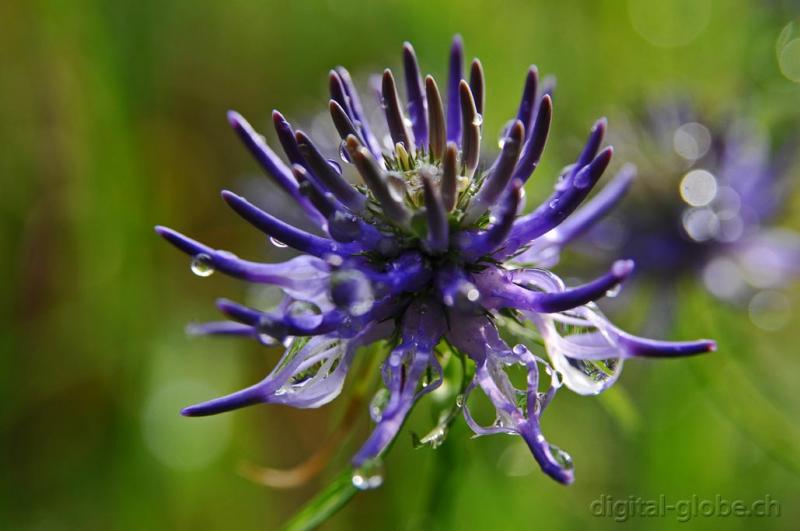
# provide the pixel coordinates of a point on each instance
(112, 119)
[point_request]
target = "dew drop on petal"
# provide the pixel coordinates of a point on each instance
(460, 401)
(304, 314)
(202, 265)
(501, 138)
(343, 154)
(613, 292)
(277, 243)
(561, 457)
(396, 186)
(369, 476)
(335, 166)
(378, 403)
(266, 339)
(519, 349)
(352, 291)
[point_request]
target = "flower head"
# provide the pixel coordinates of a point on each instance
(422, 254)
(712, 192)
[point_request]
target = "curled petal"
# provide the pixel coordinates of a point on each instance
(310, 374)
(423, 325)
(478, 338)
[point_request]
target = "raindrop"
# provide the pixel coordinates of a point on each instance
(519, 349)
(266, 339)
(335, 166)
(343, 153)
(304, 314)
(561, 457)
(202, 265)
(396, 186)
(501, 138)
(613, 292)
(378, 403)
(369, 476)
(352, 290)
(554, 203)
(343, 227)
(334, 260)
(477, 120)
(277, 243)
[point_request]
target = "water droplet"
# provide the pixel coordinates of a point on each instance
(202, 265)
(343, 153)
(377, 404)
(335, 165)
(397, 187)
(352, 290)
(266, 339)
(277, 243)
(477, 120)
(343, 227)
(519, 349)
(613, 292)
(368, 476)
(334, 260)
(304, 314)
(561, 457)
(501, 138)
(554, 203)
(460, 401)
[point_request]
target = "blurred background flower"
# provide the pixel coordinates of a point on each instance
(111, 111)
(708, 204)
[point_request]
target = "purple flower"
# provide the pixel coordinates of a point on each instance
(708, 204)
(422, 254)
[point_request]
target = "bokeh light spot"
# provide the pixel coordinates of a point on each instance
(669, 24)
(691, 140)
(698, 188)
(180, 442)
(769, 310)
